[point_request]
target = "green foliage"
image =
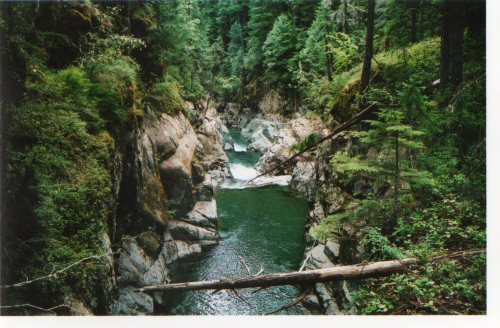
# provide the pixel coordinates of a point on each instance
(448, 286)
(377, 246)
(278, 50)
(330, 226)
(344, 51)
(396, 21)
(388, 139)
(166, 98)
(308, 141)
(61, 183)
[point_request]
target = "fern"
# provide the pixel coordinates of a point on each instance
(307, 142)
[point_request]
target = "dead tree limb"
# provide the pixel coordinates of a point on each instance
(348, 272)
(353, 120)
(55, 274)
(31, 306)
(289, 305)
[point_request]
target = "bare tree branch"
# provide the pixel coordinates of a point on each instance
(240, 297)
(55, 274)
(353, 120)
(21, 306)
(242, 260)
(289, 305)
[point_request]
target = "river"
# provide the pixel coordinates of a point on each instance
(260, 228)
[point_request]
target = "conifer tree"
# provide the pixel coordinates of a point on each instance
(278, 50)
(389, 160)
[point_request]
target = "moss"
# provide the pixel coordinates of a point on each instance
(419, 62)
(166, 98)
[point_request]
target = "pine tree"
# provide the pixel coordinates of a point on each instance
(236, 50)
(262, 15)
(278, 50)
(390, 157)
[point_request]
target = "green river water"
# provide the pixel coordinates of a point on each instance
(264, 227)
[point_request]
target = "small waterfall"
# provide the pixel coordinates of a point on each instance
(239, 148)
(243, 171)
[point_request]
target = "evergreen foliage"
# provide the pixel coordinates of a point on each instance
(77, 76)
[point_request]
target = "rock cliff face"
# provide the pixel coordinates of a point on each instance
(164, 189)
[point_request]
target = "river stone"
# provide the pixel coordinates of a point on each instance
(303, 178)
(184, 249)
(178, 249)
(130, 302)
(77, 307)
(185, 231)
(331, 307)
(198, 172)
(207, 209)
(208, 243)
(204, 192)
(332, 250)
(311, 301)
(318, 258)
(228, 146)
(198, 219)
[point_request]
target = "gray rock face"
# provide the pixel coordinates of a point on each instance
(318, 259)
(185, 231)
(303, 178)
(133, 303)
(234, 116)
(170, 161)
(330, 305)
(175, 171)
(211, 136)
(332, 250)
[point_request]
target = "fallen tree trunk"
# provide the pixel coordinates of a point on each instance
(347, 272)
(353, 120)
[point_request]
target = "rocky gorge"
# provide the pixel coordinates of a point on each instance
(274, 136)
(175, 161)
(168, 160)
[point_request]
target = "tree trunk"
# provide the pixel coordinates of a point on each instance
(452, 43)
(348, 272)
(329, 61)
(345, 25)
(413, 36)
(457, 44)
(367, 64)
(396, 177)
(445, 45)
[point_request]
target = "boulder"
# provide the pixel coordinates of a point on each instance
(332, 250)
(318, 258)
(207, 209)
(130, 302)
(184, 231)
(303, 178)
(330, 305)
